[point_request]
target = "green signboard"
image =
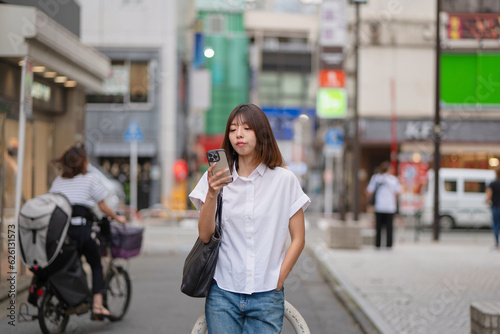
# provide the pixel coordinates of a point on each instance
(331, 103)
(470, 79)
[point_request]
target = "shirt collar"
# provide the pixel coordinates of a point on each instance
(261, 169)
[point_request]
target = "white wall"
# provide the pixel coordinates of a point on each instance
(115, 23)
(413, 73)
(404, 51)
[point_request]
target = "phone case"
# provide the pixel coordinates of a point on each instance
(219, 156)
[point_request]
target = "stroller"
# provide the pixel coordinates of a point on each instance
(46, 250)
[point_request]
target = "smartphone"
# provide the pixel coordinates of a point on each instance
(219, 156)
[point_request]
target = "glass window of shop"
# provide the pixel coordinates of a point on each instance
(284, 89)
(128, 83)
(471, 160)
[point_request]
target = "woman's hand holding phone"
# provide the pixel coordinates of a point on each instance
(219, 173)
(218, 180)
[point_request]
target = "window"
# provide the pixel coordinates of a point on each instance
(127, 83)
(138, 85)
(450, 186)
(474, 187)
(284, 89)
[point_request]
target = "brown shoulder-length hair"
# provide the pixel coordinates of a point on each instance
(72, 162)
(266, 148)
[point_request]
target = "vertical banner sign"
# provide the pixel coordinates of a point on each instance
(331, 98)
(28, 86)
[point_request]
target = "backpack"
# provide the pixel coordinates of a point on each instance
(43, 225)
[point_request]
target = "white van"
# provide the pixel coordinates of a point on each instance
(461, 197)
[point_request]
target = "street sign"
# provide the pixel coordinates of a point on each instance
(334, 137)
(334, 142)
(133, 132)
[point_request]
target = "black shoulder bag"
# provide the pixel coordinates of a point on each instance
(372, 199)
(199, 266)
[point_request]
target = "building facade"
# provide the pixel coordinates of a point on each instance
(145, 87)
(63, 71)
(397, 86)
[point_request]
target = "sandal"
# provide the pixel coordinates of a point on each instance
(100, 316)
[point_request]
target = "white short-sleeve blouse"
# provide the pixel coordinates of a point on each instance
(255, 217)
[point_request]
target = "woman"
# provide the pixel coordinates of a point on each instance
(493, 199)
(385, 187)
(260, 207)
(84, 191)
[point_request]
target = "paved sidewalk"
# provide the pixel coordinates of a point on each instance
(418, 286)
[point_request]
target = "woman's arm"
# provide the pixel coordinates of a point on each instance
(298, 236)
(107, 210)
(206, 223)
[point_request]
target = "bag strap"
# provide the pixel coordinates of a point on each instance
(218, 212)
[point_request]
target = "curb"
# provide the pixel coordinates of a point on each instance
(365, 324)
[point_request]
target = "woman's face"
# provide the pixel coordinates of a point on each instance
(242, 138)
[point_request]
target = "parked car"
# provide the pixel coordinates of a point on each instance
(461, 198)
(116, 194)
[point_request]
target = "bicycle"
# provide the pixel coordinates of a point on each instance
(53, 313)
(291, 314)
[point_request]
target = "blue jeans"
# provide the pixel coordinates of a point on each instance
(233, 313)
(495, 212)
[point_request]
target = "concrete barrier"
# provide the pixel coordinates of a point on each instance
(485, 318)
(344, 235)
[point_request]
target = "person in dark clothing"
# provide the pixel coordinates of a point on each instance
(493, 200)
(84, 191)
(385, 188)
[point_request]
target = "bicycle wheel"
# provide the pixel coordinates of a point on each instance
(52, 316)
(118, 291)
(291, 314)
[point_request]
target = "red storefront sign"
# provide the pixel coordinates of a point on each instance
(331, 79)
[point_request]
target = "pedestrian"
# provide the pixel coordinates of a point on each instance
(385, 189)
(261, 206)
(84, 191)
(493, 200)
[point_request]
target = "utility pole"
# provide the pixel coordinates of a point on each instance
(437, 125)
(356, 154)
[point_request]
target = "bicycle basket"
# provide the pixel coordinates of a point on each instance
(126, 241)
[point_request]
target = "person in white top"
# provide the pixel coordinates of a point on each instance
(261, 206)
(385, 187)
(84, 191)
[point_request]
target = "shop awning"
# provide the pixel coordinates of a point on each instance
(30, 32)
